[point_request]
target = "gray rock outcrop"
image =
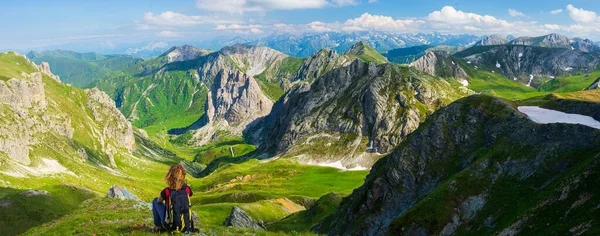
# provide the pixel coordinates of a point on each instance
(440, 63)
(320, 63)
(118, 192)
(45, 68)
(239, 218)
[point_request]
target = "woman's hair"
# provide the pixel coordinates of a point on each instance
(175, 176)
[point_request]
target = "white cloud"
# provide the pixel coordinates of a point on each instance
(167, 33)
(242, 6)
(381, 23)
(557, 11)
(318, 26)
(552, 26)
(471, 28)
(581, 15)
(170, 18)
(450, 15)
(373, 1)
(515, 13)
(256, 31)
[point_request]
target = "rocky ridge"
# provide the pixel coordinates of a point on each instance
(351, 113)
(465, 167)
(36, 108)
(184, 53)
(494, 39)
(440, 63)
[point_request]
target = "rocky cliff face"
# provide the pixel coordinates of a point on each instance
(184, 53)
(548, 41)
(352, 113)
(440, 63)
(252, 59)
(43, 121)
(521, 63)
(585, 45)
(494, 39)
(464, 169)
(320, 63)
(234, 100)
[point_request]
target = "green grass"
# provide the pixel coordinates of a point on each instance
(25, 212)
(11, 66)
(270, 89)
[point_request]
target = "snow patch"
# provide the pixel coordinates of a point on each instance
(547, 116)
(520, 54)
(338, 165)
(468, 62)
(569, 69)
(464, 82)
(530, 79)
(498, 65)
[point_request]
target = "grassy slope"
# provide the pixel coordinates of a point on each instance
(495, 84)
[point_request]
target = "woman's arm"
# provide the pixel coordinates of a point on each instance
(160, 199)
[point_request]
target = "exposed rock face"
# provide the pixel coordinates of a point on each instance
(485, 152)
(320, 63)
(42, 119)
(45, 68)
(440, 63)
(251, 59)
(494, 39)
(239, 218)
(350, 107)
(595, 84)
(548, 41)
(585, 45)
(234, 100)
(118, 192)
(184, 53)
(523, 62)
(114, 124)
(26, 99)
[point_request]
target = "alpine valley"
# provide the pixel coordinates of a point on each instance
(337, 133)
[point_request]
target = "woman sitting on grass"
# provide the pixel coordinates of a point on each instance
(169, 216)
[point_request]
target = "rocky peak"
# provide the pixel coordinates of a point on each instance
(45, 68)
(184, 53)
(549, 41)
(234, 100)
(359, 48)
(320, 63)
(494, 39)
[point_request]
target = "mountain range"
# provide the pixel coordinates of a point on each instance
(423, 140)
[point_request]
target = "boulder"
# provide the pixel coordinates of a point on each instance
(239, 218)
(119, 192)
(35, 193)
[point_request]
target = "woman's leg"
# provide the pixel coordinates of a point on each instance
(158, 210)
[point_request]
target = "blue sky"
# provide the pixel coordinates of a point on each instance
(37, 23)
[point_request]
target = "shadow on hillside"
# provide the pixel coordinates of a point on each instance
(24, 209)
